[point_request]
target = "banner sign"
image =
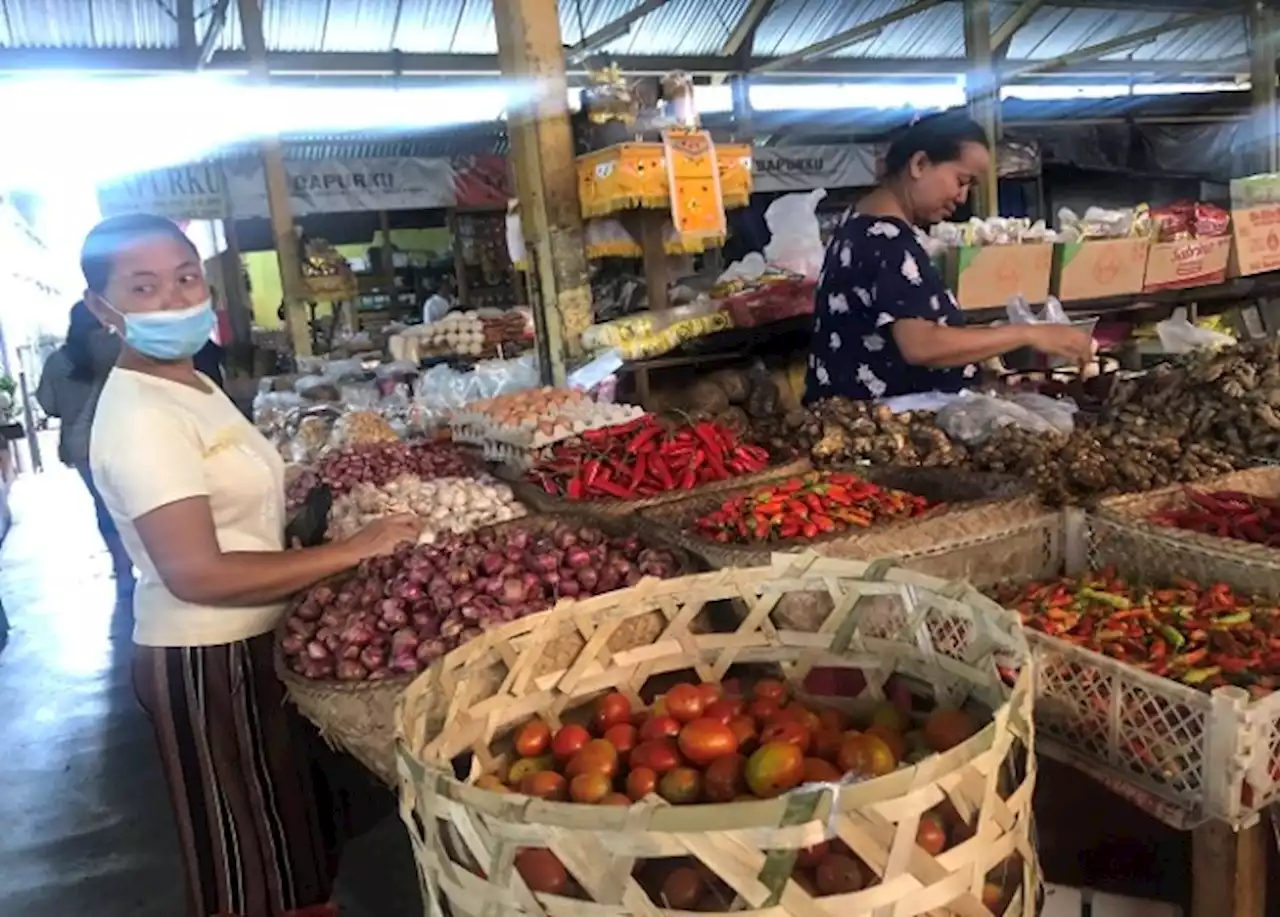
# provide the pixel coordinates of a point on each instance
(801, 168)
(216, 190)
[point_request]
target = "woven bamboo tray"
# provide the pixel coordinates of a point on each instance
(1197, 755)
(357, 717)
(1135, 509)
(532, 495)
(976, 504)
(945, 636)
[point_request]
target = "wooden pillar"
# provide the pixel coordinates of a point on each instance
(281, 211)
(982, 92)
(531, 54)
(1229, 870)
(1263, 47)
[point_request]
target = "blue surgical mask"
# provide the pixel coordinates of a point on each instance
(171, 334)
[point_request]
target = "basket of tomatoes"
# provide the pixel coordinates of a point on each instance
(886, 764)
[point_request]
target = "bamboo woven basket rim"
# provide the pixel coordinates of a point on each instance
(453, 708)
(674, 521)
(530, 493)
(1133, 510)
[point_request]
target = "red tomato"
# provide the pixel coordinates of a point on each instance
(788, 732)
(611, 709)
(685, 702)
(533, 738)
(659, 727)
(660, 755)
(723, 710)
(710, 693)
(622, 736)
(641, 782)
(763, 708)
(569, 740)
(770, 688)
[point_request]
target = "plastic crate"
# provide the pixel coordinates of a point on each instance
(1201, 755)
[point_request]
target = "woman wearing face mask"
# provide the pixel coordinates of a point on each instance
(197, 494)
(884, 322)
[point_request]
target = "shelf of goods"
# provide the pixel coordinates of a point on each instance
(347, 648)
(927, 812)
(1153, 656)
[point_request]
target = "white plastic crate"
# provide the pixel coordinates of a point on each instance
(1203, 755)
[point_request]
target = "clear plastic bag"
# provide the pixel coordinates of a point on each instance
(1178, 335)
(796, 243)
(974, 419)
(317, 388)
(1021, 313)
(359, 396)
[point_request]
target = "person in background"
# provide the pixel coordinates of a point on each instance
(70, 382)
(198, 496)
(884, 322)
(440, 302)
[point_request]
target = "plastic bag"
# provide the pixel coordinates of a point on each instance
(1021, 313)
(796, 243)
(317, 388)
(751, 267)
(973, 419)
(1177, 335)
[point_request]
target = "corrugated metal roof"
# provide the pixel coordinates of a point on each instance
(680, 27)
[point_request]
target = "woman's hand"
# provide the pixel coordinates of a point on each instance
(1062, 341)
(383, 536)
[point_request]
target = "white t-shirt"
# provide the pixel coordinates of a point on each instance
(155, 442)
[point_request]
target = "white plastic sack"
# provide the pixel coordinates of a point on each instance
(974, 419)
(1177, 335)
(796, 243)
(749, 268)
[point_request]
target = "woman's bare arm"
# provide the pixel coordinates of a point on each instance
(181, 541)
(922, 343)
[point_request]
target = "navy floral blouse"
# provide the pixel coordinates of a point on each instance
(875, 273)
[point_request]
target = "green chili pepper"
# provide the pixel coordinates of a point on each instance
(1196, 676)
(1106, 598)
(1239, 617)
(1171, 636)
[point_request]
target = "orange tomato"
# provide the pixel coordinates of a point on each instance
(816, 770)
(533, 739)
(641, 782)
(744, 727)
(615, 799)
(680, 786)
(704, 739)
(774, 768)
(763, 708)
(866, 755)
(545, 785)
(897, 744)
(597, 756)
(826, 744)
(589, 787)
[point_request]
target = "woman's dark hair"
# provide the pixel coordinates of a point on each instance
(81, 326)
(940, 137)
(97, 255)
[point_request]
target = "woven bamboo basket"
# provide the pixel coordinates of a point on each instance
(358, 717)
(977, 505)
(944, 637)
(1135, 509)
(1191, 755)
(532, 495)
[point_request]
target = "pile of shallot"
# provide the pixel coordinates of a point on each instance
(444, 505)
(345, 467)
(394, 615)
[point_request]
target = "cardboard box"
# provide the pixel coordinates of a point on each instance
(1099, 268)
(1256, 231)
(1198, 263)
(988, 276)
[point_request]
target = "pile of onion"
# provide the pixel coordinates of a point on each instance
(394, 615)
(380, 463)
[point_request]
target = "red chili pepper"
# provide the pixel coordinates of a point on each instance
(645, 440)
(575, 490)
(638, 472)
(608, 487)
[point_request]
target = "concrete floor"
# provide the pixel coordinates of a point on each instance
(84, 821)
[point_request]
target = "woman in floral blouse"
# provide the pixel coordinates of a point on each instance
(884, 322)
